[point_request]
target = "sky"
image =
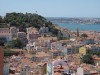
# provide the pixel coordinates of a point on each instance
(53, 8)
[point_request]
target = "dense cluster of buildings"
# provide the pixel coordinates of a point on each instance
(46, 55)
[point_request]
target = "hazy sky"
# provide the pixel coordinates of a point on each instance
(53, 8)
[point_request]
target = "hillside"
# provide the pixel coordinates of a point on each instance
(22, 21)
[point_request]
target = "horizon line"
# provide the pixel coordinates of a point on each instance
(49, 16)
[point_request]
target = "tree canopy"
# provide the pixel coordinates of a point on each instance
(17, 43)
(84, 35)
(7, 53)
(1, 19)
(87, 59)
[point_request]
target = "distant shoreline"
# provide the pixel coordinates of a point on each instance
(75, 20)
(82, 27)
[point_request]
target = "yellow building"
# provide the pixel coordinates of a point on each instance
(82, 50)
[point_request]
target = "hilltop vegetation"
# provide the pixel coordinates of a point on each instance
(22, 21)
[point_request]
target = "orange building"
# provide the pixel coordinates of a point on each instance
(1, 61)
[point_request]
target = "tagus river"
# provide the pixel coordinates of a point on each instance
(83, 27)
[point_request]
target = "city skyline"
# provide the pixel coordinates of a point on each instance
(53, 8)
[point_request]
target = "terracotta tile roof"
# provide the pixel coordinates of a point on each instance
(5, 34)
(42, 54)
(28, 55)
(55, 51)
(57, 73)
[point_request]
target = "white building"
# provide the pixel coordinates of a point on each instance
(14, 31)
(71, 49)
(30, 47)
(81, 71)
(88, 41)
(32, 34)
(48, 44)
(56, 45)
(50, 69)
(5, 34)
(29, 70)
(54, 66)
(44, 30)
(66, 34)
(94, 48)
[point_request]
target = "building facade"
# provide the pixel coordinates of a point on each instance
(1, 61)
(5, 34)
(82, 50)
